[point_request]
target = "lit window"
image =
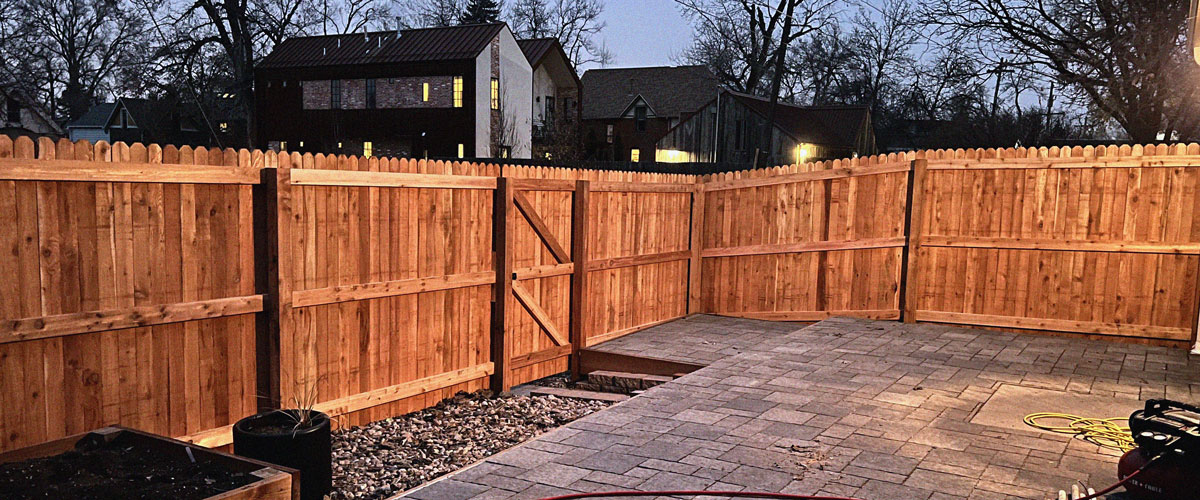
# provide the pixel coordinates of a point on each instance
(283, 145)
(635, 155)
(495, 93)
(425, 92)
(460, 151)
(224, 126)
(458, 91)
(301, 143)
(339, 145)
(367, 148)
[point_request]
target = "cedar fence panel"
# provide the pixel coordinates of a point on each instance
(1099, 241)
(132, 295)
(389, 266)
(636, 269)
(806, 242)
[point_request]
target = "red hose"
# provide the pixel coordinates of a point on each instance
(741, 494)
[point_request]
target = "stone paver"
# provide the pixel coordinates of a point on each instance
(872, 409)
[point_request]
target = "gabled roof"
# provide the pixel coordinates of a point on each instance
(31, 105)
(95, 117)
(671, 90)
(537, 48)
(380, 47)
(836, 126)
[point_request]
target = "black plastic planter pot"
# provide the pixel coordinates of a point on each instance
(273, 437)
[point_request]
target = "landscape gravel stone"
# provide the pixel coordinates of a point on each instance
(393, 455)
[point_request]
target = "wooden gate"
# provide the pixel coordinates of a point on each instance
(539, 321)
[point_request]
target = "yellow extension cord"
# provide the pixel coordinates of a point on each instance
(1104, 432)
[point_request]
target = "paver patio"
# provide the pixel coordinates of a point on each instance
(872, 409)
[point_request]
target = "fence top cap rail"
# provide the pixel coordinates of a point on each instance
(358, 178)
(26, 169)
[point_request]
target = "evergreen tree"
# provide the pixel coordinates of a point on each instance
(481, 11)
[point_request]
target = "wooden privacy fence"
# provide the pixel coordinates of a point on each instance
(177, 290)
(1100, 241)
(130, 292)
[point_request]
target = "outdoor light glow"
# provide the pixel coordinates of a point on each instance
(670, 156)
(802, 153)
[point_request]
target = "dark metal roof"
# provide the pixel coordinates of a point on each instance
(95, 117)
(836, 126)
(381, 47)
(670, 91)
(536, 48)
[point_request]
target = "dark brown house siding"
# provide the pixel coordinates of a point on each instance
(626, 138)
(393, 127)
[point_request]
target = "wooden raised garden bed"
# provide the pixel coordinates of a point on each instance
(115, 462)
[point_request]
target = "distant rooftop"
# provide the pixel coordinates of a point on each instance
(381, 47)
(670, 90)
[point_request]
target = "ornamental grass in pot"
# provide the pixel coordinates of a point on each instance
(297, 437)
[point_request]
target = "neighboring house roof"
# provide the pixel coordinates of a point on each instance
(537, 48)
(381, 47)
(95, 117)
(835, 126)
(671, 90)
(39, 114)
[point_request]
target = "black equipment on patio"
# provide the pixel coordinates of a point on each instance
(1167, 432)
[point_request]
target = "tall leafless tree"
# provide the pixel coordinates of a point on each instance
(79, 44)
(575, 23)
(1126, 58)
(430, 13)
(738, 40)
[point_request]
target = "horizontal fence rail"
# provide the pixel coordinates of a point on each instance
(177, 290)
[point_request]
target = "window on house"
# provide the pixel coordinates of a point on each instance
(458, 92)
(425, 92)
(461, 150)
(13, 113)
(610, 134)
(549, 118)
(335, 94)
(367, 149)
(635, 155)
(224, 126)
(283, 145)
(639, 118)
(370, 94)
(495, 93)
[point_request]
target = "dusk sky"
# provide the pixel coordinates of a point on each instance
(644, 32)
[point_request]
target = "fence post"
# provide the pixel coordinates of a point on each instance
(501, 208)
(579, 240)
(913, 226)
(696, 241)
(269, 222)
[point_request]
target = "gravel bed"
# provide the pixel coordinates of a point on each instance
(393, 455)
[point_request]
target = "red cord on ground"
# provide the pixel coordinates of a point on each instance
(734, 494)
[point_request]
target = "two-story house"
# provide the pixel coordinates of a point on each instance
(627, 110)
(451, 92)
(555, 95)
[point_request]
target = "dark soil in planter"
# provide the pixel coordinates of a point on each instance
(117, 470)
